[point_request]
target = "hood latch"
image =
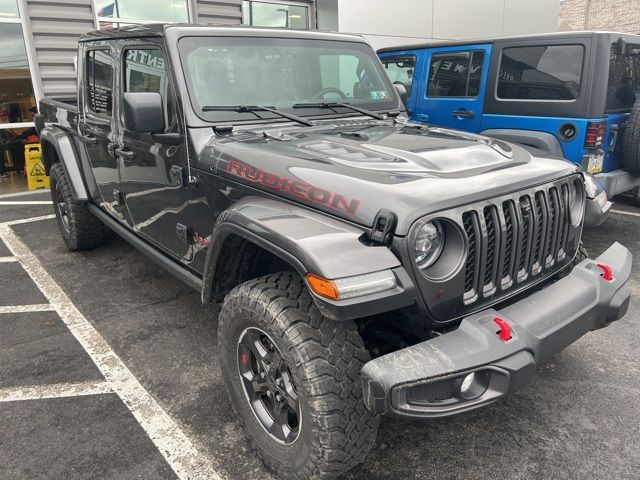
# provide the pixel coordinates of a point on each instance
(383, 227)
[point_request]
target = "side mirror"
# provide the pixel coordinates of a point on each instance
(402, 91)
(143, 112)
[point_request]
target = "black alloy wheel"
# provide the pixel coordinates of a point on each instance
(268, 385)
(61, 206)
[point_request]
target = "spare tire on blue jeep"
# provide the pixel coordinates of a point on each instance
(631, 144)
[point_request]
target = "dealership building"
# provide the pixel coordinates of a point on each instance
(39, 37)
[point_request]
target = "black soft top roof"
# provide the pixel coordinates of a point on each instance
(541, 36)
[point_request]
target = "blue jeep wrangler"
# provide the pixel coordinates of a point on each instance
(571, 94)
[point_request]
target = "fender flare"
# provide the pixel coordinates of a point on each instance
(543, 140)
(62, 143)
(311, 243)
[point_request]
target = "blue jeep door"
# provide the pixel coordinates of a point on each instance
(453, 88)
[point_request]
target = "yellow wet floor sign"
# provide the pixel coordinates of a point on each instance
(36, 175)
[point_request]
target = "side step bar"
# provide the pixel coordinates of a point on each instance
(170, 265)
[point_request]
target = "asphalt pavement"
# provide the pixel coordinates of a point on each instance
(108, 369)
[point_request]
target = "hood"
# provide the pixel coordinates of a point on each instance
(354, 169)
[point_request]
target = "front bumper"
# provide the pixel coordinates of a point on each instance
(424, 380)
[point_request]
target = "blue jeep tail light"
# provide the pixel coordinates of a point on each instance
(595, 135)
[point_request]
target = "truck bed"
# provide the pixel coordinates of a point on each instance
(62, 111)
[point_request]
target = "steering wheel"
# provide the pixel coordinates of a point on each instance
(320, 95)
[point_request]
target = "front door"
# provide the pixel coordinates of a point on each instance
(97, 125)
(401, 69)
(453, 88)
(161, 206)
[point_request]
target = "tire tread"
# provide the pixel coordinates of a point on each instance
(85, 230)
(344, 430)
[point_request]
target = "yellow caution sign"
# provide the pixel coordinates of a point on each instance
(36, 175)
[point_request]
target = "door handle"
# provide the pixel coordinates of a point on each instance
(89, 139)
(462, 113)
(423, 117)
(125, 153)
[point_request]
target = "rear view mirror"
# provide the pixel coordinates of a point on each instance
(143, 112)
(402, 91)
(621, 46)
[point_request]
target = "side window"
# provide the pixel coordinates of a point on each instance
(543, 72)
(400, 70)
(455, 74)
(99, 81)
(145, 70)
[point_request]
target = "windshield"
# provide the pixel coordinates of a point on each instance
(624, 78)
(280, 73)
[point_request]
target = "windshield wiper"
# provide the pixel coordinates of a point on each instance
(254, 109)
(364, 111)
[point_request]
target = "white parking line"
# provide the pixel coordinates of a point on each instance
(40, 307)
(20, 194)
(29, 220)
(8, 259)
(26, 202)
(622, 212)
(58, 390)
(180, 453)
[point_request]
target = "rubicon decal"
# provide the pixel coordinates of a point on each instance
(299, 189)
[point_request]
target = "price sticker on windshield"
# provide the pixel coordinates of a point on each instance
(595, 163)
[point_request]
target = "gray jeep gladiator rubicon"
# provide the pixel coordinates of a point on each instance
(366, 265)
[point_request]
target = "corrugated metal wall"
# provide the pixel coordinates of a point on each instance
(218, 11)
(55, 26)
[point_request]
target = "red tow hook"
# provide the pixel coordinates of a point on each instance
(505, 329)
(607, 271)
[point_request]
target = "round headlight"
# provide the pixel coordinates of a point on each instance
(428, 244)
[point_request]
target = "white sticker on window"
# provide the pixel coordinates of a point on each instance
(379, 95)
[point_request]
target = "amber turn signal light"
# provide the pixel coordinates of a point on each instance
(323, 287)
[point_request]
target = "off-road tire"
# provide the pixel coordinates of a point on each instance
(631, 143)
(324, 357)
(83, 230)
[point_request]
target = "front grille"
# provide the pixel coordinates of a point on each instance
(515, 240)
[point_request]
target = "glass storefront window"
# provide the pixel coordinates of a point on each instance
(17, 99)
(281, 15)
(9, 9)
(151, 10)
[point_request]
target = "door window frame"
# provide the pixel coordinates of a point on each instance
(88, 112)
(36, 85)
(470, 51)
(122, 79)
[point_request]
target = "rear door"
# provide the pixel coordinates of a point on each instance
(454, 85)
(97, 125)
